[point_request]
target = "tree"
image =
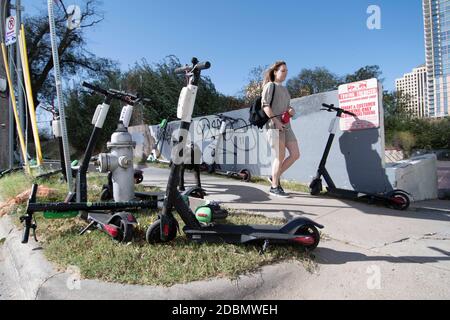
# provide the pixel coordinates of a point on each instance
(365, 73)
(162, 86)
(254, 87)
(312, 81)
(81, 105)
(75, 59)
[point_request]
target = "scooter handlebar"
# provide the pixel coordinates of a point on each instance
(116, 94)
(198, 66)
(94, 88)
(330, 107)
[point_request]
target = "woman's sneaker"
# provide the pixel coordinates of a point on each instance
(279, 186)
(278, 192)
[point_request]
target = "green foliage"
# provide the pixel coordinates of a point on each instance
(312, 81)
(80, 109)
(409, 133)
(162, 86)
(365, 73)
(156, 82)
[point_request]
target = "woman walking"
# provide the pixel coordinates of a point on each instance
(276, 101)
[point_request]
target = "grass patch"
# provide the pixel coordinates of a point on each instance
(181, 261)
(288, 185)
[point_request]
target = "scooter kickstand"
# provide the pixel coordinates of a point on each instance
(87, 228)
(264, 248)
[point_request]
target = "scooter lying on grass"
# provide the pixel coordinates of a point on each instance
(395, 199)
(301, 231)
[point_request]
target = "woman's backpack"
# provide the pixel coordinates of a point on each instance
(257, 115)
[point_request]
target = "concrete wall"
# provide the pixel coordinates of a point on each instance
(417, 175)
(356, 160)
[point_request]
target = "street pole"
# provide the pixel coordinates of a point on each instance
(8, 149)
(20, 86)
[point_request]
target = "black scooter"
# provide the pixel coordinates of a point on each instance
(300, 231)
(396, 199)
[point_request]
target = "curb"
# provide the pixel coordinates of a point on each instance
(36, 279)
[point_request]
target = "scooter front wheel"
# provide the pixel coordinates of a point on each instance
(316, 187)
(153, 235)
(138, 177)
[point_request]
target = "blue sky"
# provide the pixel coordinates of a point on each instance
(237, 35)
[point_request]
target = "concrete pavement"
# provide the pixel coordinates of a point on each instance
(368, 252)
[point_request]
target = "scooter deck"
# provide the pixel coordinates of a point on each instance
(227, 233)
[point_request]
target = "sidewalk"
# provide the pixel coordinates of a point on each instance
(368, 252)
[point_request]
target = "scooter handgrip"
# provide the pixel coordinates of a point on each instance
(203, 65)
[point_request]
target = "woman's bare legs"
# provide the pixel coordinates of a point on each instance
(294, 155)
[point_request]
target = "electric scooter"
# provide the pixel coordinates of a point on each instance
(110, 217)
(396, 199)
(300, 231)
(210, 154)
(156, 157)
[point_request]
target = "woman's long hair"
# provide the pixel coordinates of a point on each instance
(270, 74)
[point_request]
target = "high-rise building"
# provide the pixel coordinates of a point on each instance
(437, 48)
(414, 87)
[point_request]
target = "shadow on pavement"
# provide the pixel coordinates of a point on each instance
(333, 257)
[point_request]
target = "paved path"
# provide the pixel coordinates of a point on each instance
(368, 252)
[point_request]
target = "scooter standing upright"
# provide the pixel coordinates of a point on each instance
(396, 199)
(211, 152)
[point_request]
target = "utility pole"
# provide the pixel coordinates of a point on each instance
(6, 117)
(20, 86)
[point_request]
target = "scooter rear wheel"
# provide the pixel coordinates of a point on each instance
(309, 230)
(126, 230)
(246, 175)
(399, 200)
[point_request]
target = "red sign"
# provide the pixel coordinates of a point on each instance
(363, 99)
(10, 37)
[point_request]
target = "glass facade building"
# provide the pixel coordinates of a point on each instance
(437, 49)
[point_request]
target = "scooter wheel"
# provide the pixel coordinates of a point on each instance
(246, 175)
(138, 177)
(105, 195)
(211, 169)
(153, 235)
(126, 230)
(316, 187)
(309, 230)
(399, 200)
